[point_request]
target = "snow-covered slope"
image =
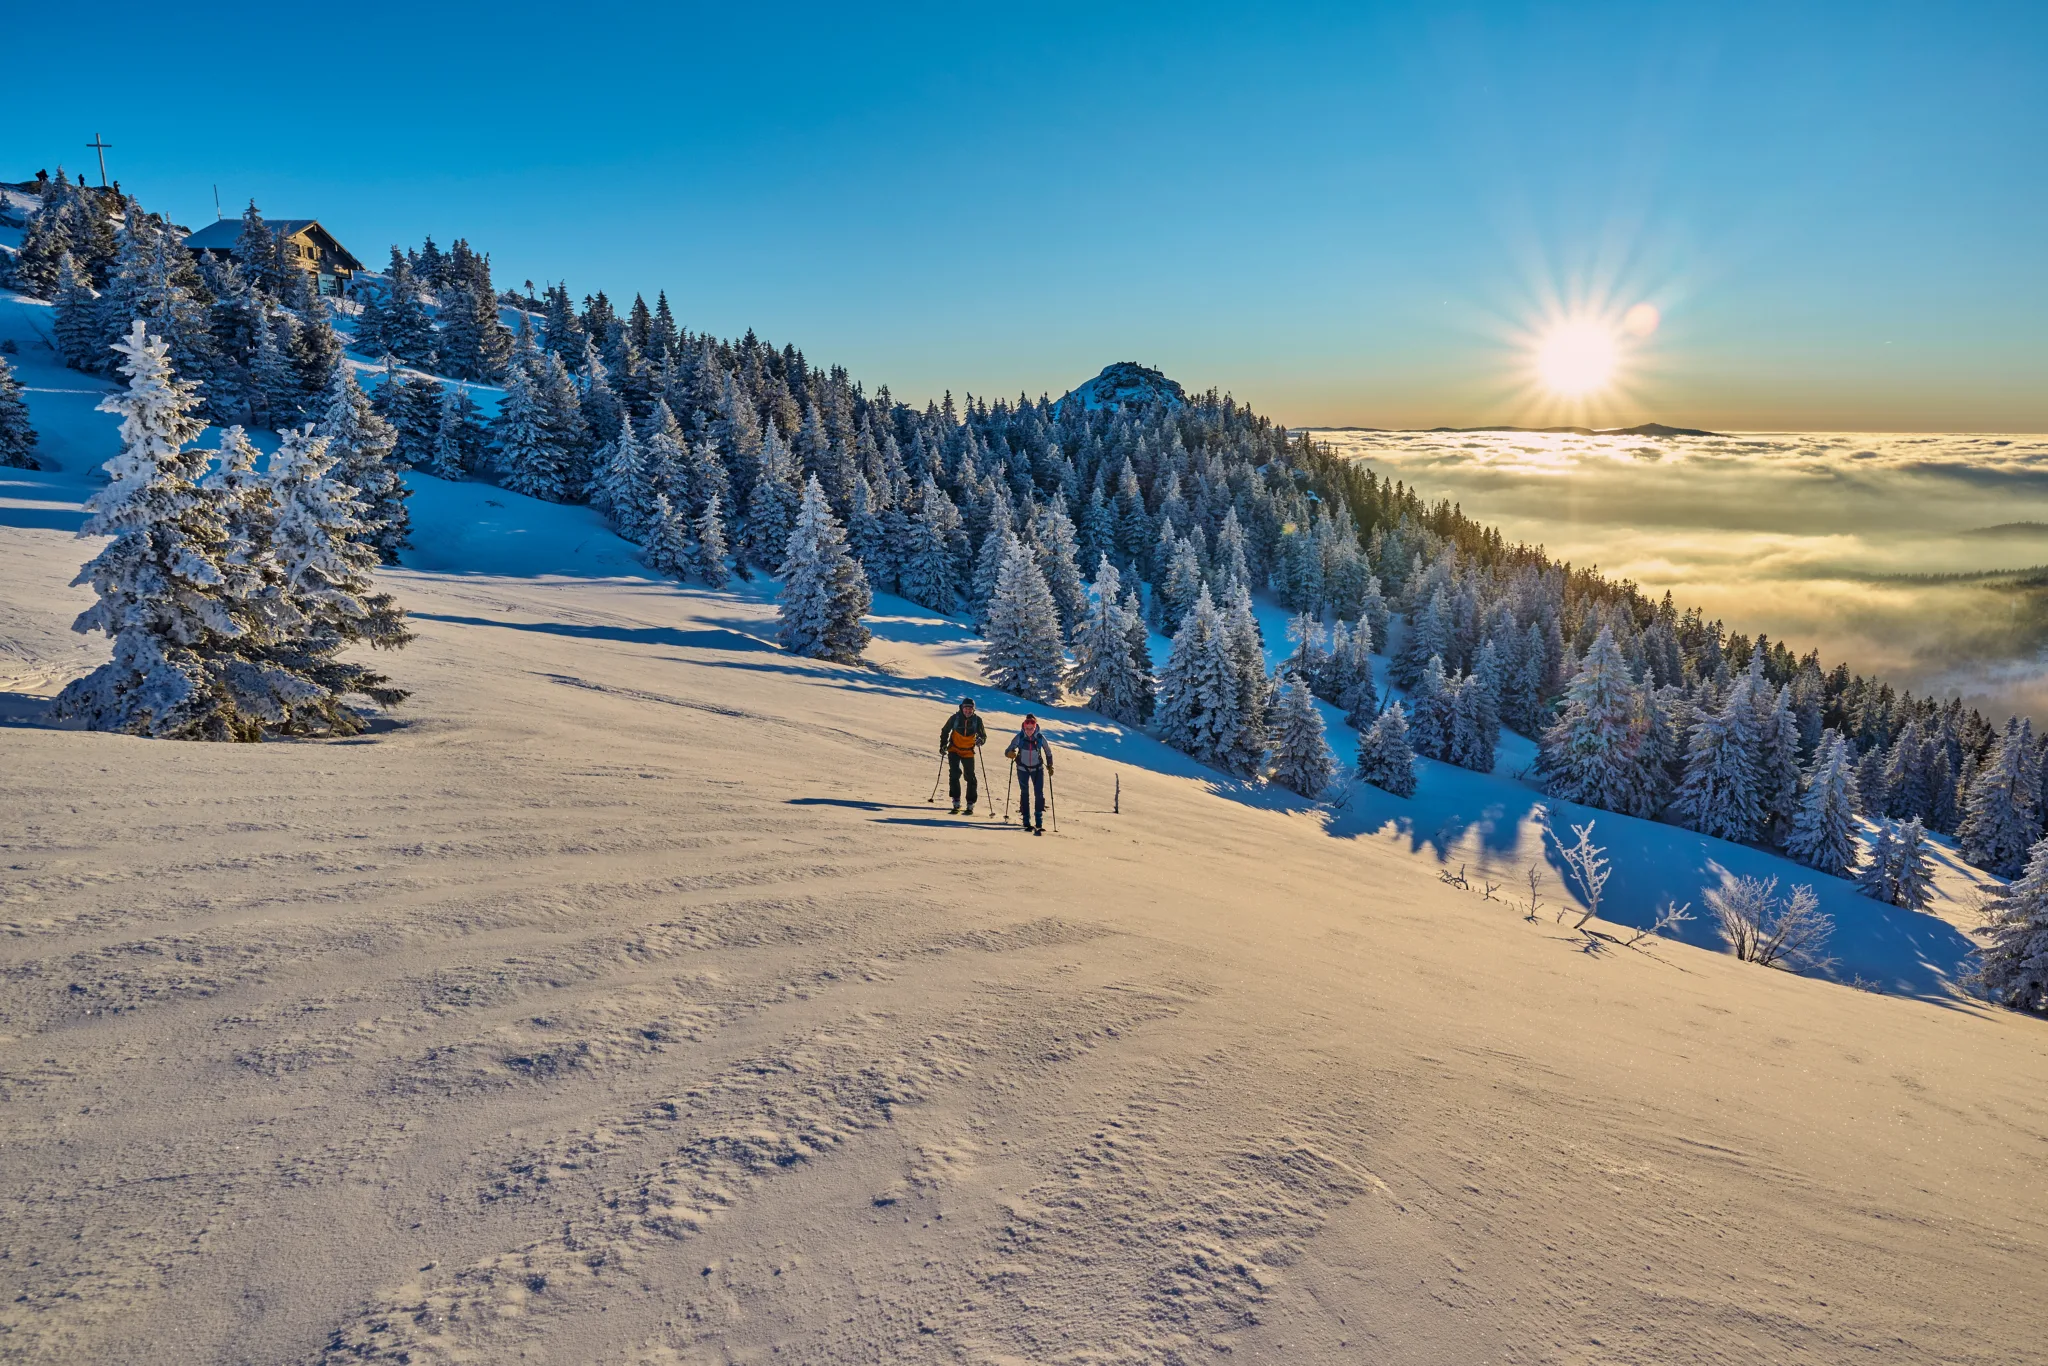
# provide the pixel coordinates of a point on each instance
(622, 999)
(1127, 384)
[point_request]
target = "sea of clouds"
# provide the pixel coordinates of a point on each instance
(1887, 551)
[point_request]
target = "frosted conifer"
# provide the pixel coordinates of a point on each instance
(1434, 702)
(2001, 820)
(1179, 583)
(824, 593)
(1823, 831)
(772, 503)
(1104, 671)
(17, 433)
(1778, 764)
(1880, 862)
(1471, 736)
(324, 560)
(163, 583)
(1139, 638)
(1302, 762)
(1199, 712)
(1057, 560)
(80, 339)
(361, 443)
(1023, 653)
(1246, 753)
(1913, 882)
(707, 553)
(929, 574)
(448, 454)
(1718, 795)
(1593, 753)
(276, 399)
(867, 538)
(532, 461)
(2013, 964)
(666, 538)
(1385, 758)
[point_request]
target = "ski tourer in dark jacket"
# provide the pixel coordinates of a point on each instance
(960, 740)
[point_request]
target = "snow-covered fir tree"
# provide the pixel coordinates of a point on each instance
(1777, 764)
(1245, 753)
(1058, 550)
(869, 539)
(2012, 966)
(989, 562)
(17, 433)
(930, 574)
(772, 504)
(1385, 757)
(665, 539)
(458, 439)
(275, 393)
(164, 588)
(1823, 831)
(1474, 726)
(323, 555)
(1138, 640)
(361, 444)
(1899, 870)
(1593, 753)
(1199, 711)
(708, 545)
(1719, 793)
(2002, 812)
(623, 492)
(1302, 761)
(530, 456)
(80, 336)
(1104, 671)
(824, 593)
(1023, 654)
(1434, 698)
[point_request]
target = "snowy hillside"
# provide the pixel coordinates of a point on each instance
(621, 998)
(1127, 384)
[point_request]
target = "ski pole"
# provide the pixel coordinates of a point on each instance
(937, 778)
(1009, 777)
(1053, 795)
(991, 810)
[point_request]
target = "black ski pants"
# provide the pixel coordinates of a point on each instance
(957, 764)
(1030, 780)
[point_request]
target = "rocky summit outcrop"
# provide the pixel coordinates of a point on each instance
(1127, 384)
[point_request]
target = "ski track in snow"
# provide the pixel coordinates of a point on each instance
(621, 999)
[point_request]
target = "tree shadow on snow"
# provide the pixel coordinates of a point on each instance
(716, 638)
(28, 710)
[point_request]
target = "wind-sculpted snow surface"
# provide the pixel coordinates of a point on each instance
(1873, 548)
(623, 1001)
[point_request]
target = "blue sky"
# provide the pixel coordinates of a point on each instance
(1346, 214)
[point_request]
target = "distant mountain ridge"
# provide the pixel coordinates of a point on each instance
(1642, 429)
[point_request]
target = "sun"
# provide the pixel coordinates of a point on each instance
(1578, 358)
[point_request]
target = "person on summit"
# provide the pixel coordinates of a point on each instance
(960, 740)
(1032, 753)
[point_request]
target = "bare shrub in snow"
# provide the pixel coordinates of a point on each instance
(1588, 866)
(1761, 927)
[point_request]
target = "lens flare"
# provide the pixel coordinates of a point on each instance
(1575, 359)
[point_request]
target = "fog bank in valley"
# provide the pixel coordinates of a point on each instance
(1897, 553)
